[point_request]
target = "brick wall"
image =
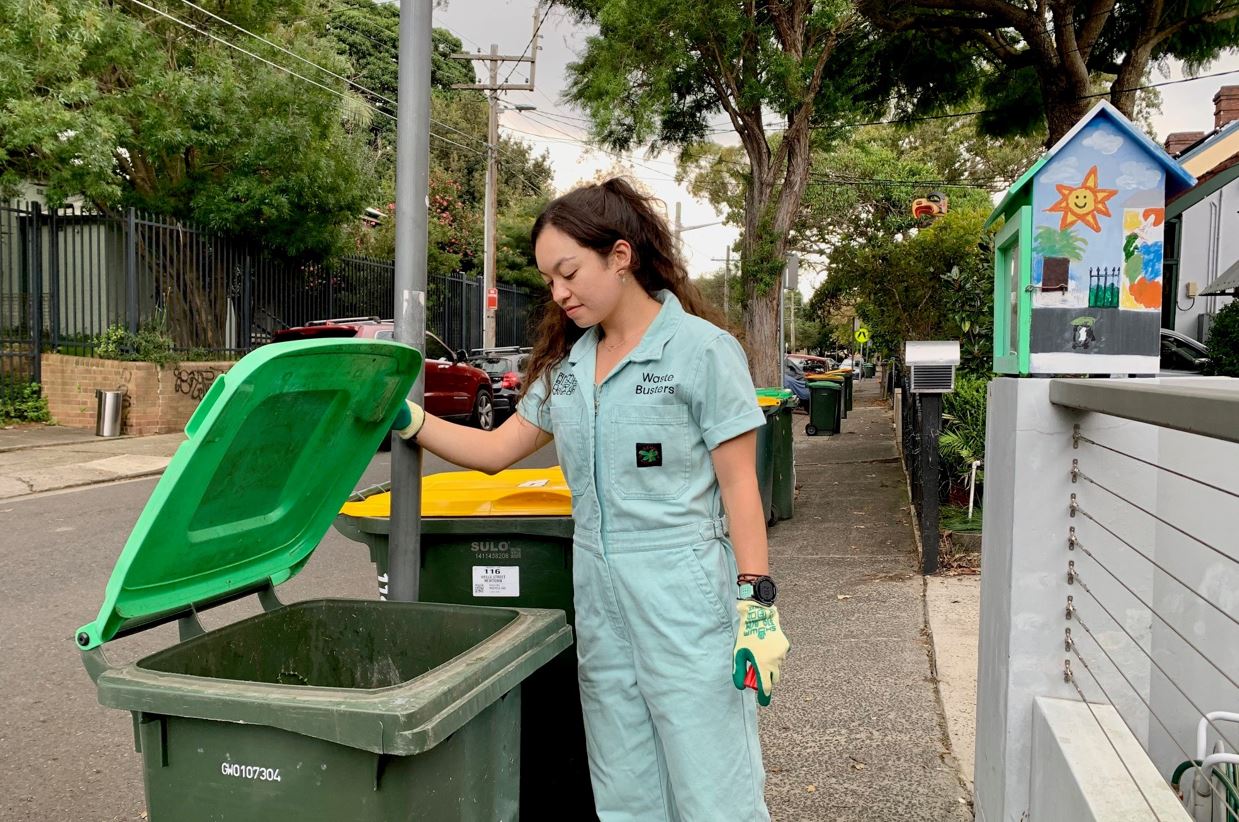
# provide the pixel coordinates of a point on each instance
(157, 400)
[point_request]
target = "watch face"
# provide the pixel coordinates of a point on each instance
(764, 590)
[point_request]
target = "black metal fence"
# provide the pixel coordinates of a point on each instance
(920, 425)
(73, 282)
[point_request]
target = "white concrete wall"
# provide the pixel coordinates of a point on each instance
(1024, 586)
(1089, 768)
(1209, 244)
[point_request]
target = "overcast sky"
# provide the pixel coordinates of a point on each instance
(556, 127)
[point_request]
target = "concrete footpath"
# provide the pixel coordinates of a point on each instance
(38, 458)
(856, 730)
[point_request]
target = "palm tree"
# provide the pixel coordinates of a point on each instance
(1052, 242)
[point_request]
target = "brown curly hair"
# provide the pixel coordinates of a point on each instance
(597, 216)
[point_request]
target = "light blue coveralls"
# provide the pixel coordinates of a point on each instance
(668, 734)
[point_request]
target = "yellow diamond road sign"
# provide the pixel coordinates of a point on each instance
(862, 335)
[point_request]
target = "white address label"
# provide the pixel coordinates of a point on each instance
(250, 772)
(496, 581)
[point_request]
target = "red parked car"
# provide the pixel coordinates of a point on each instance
(455, 390)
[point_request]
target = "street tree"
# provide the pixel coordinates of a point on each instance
(1037, 62)
(658, 69)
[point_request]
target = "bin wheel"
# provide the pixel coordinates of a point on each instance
(811, 430)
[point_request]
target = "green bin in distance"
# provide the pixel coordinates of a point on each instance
(825, 407)
(322, 710)
(783, 489)
(503, 540)
(869, 369)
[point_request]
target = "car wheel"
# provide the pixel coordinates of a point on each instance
(483, 411)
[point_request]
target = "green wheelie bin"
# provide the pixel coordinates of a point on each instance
(323, 710)
(825, 406)
(783, 491)
(869, 370)
(766, 447)
(505, 540)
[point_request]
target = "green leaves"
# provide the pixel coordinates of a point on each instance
(1223, 344)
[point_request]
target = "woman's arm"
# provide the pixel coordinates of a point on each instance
(487, 451)
(735, 464)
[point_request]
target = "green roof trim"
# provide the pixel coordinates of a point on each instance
(1177, 177)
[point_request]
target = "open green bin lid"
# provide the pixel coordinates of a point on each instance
(275, 447)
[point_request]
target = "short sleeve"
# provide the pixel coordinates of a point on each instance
(723, 401)
(534, 406)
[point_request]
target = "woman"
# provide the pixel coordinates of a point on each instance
(653, 415)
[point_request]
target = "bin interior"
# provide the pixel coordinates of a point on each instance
(333, 644)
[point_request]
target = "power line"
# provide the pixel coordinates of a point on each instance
(392, 103)
(585, 144)
(532, 38)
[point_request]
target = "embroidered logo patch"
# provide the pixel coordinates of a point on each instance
(649, 454)
(564, 384)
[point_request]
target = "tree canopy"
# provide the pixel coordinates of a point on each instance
(114, 102)
(659, 70)
(1037, 63)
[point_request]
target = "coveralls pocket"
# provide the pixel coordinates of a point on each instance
(704, 563)
(571, 445)
(650, 452)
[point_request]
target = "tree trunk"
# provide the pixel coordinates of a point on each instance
(1064, 106)
(761, 304)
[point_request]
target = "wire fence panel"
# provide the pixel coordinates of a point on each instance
(90, 284)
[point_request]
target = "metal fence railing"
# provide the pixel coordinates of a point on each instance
(75, 282)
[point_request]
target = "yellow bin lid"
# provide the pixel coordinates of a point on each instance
(517, 492)
(768, 402)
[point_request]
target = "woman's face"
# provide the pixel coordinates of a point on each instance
(584, 283)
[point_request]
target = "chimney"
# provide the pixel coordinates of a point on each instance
(1175, 143)
(1225, 105)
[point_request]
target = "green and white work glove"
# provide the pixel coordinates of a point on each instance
(409, 420)
(761, 644)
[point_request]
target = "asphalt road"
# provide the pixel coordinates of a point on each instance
(62, 755)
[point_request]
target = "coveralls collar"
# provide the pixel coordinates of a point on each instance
(653, 341)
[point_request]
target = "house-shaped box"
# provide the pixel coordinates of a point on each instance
(1078, 258)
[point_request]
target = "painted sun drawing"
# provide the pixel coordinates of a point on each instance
(1083, 203)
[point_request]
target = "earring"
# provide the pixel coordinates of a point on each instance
(623, 277)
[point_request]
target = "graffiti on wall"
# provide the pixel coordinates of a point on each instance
(195, 382)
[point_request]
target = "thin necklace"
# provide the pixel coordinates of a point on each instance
(615, 345)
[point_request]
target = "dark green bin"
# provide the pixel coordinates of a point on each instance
(783, 488)
(767, 437)
(825, 407)
(324, 710)
(541, 547)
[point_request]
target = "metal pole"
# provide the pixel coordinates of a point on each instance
(412, 190)
(131, 270)
(778, 369)
(492, 199)
(726, 278)
(931, 426)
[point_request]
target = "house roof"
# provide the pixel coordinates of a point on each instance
(1205, 154)
(1177, 178)
(1228, 282)
(1209, 183)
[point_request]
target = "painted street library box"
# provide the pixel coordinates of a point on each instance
(1078, 259)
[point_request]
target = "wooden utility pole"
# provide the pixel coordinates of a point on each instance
(492, 88)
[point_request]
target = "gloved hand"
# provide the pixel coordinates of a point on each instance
(409, 420)
(760, 643)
